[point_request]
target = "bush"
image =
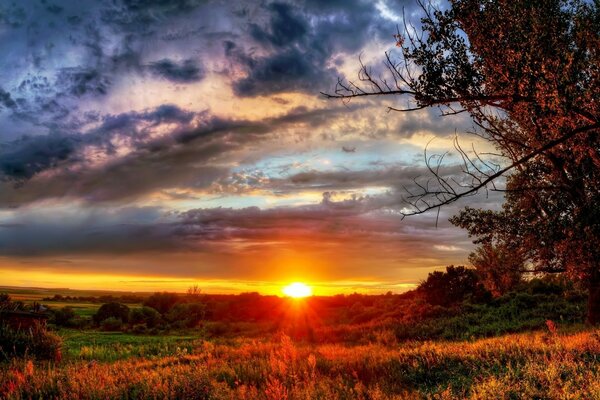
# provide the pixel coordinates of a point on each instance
(162, 302)
(146, 315)
(186, 315)
(111, 324)
(139, 328)
(453, 286)
(37, 343)
(112, 310)
(65, 317)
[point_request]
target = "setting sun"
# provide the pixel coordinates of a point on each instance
(297, 290)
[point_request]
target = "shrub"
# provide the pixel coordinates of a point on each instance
(65, 317)
(139, 328)
(145, 315)
(453, 286)
(36, 342)
(112, 310)
(111, 324)
(162, 302)
(186, 315)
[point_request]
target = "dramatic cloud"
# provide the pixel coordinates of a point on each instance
(187, 71)
(189, 138)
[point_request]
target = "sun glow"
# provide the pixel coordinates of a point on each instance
(297, 290)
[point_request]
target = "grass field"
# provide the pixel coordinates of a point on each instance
(329, 348)
(81, 308)
(522, 366)
(112, 346)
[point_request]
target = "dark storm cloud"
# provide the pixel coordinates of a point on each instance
(100, 231)
(6, 100)
(285, 26)
(185, 72)
(185, 156)
(300, 42)
(81, 81)
(24, 157)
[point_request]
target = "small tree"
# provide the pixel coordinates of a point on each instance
(145, 315)
(64, 316)
(112, 310)
(162, 302)
(186, 315)
(453, 286)
(499, 269)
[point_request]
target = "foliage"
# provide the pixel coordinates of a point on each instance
(64, 316)
(111, 324)
(499, 269)
(112, 310)
(513, 312)
(528, 74)
(145, 315)
(186, 315)
(452, 286)
(5, 301)
(162, 302)
(35, 343)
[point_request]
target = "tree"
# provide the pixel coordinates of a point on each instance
(145, 315)
(65, 316)
(162, 302)
(528, 74)
(186, 315)
(112, 310)
(499, 268)
(452, 286)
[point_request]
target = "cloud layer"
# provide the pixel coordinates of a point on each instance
(193, 131)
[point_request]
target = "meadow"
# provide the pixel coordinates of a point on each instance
(530, 365)
(527, 344)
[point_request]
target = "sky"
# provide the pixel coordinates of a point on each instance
(152, 145)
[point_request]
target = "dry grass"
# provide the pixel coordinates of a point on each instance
(533, 365)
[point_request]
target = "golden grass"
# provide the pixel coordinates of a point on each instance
(523, 366)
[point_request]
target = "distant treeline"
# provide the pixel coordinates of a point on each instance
(126, 298)
(453, 304)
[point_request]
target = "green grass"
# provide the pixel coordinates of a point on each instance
(81, 309)
(112, 346)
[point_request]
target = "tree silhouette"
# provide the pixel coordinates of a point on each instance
(528, 74)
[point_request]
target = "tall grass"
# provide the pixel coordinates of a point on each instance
(530, 366)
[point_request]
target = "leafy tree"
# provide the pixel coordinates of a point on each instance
(186, 315)
(112, 310)
(64, 316)
(145, 315)
(452, 286)
(162, 302)
(499, 269)
(528, 74)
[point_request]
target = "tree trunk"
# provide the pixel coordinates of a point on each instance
(593, 311)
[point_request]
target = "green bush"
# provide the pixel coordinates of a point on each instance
(145, 315)
(65, 317)
(162, 302)
(112, 310)
(35, 342)
(513, 312)
(111, 324)
(186, 315)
